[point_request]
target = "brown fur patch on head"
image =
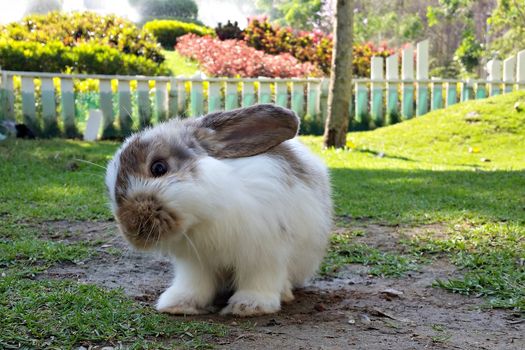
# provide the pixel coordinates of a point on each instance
(247, 131)
(133, 159)
(138, 156)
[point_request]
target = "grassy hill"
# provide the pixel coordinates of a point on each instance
(179, 65)
(462, 162)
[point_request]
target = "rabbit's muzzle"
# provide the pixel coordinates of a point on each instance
(144, 220)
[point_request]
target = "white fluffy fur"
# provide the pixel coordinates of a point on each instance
(242, 218)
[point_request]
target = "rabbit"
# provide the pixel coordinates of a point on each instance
(233, 198)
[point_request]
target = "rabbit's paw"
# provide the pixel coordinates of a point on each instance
(183, 309)
(179, 304)
(244, 304)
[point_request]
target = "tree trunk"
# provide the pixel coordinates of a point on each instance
(340, 77)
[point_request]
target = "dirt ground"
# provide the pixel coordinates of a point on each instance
(354, 311)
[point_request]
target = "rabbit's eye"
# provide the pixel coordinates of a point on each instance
(159, 168)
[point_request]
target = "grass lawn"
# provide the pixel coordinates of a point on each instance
(180, 65)
(463, 167)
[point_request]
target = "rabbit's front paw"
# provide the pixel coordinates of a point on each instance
(246, 303)
(179, 304)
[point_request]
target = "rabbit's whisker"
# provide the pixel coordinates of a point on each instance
(90, 163)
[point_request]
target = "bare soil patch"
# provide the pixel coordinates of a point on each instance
(354, 311)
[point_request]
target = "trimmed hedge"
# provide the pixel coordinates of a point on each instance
(88, 57)
(79, 42)
(168, 31)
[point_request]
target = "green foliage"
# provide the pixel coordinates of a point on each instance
(299, 14)
(167, 31)
(184, 10)
(87, 57)
(81, 42)
(469, 52)
(302, 14)
(508, 27)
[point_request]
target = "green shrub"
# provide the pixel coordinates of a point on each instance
(167, 31)
(86, 57)
(80, 42)
(314, 47)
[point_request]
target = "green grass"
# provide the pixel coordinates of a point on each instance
(416, 172)
(422, 171)
(343, 251)
(64, 314)
(180, 65)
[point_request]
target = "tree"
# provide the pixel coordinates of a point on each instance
(298, 14)
(184, 10)
(43, 6)
(508, 27)
(340, 91)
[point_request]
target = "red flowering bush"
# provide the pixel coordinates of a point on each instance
(232, 58)
(314, 47)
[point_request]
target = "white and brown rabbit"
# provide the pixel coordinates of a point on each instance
(233, 198)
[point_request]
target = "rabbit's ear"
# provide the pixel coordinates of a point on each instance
(247, 131)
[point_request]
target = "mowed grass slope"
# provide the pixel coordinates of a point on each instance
(416, 172)
(463, 167)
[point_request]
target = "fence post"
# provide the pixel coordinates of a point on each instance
(49, 109)
(451, 93)
(9, 96)
(124, 99)
(196, 96)
(265, 92)
(106, 105)
(231, 98)
(361, 105)
(68, 107)
(422, 77)
(181, 95)
(248, 94)
(494, 78)
(509, 73)
(407, 75)
(313, 91)
(161, 97)
(467, 90)
(520, 70)
(173, 103)
(28, 104)
(392, 75)
(144, 103)
(437, 95)
(481, 90)
(297, 98)
(376, 96)
(214, 97)
(323, 99)
(281, 94)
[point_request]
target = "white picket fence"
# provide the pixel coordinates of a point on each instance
(132, 102)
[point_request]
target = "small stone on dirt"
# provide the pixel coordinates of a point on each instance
(273, 322)
(319, 307)
(391, 292)
(364, 319)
